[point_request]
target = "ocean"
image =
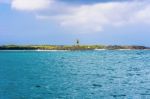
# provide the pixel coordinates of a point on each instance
(104, 74)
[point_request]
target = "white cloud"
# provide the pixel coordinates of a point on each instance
(31, 5)
(143, 15)
(94, 18)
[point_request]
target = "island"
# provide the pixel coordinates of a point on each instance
(71, 47)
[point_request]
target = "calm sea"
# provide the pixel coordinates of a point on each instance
(75, 74)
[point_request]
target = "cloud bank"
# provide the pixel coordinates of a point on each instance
(88, 17)
(94, 18)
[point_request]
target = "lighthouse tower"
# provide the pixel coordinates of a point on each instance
(77, 42)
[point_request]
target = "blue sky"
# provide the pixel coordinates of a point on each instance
(63, 21)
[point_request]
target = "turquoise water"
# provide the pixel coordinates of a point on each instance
(75, 75)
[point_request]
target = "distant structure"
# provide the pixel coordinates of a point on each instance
(77, 42)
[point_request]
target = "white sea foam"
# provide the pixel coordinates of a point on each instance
(50, 50)
(100, 49)
(124, 49)
(38, 50)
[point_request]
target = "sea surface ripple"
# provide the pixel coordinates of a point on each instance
(105, 74)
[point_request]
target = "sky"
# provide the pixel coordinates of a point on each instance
(61, 22)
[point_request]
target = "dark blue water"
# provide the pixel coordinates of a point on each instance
(75, 75)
